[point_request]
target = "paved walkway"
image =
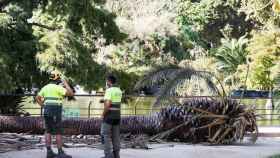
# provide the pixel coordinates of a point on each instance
(269, 131)
(264, 147)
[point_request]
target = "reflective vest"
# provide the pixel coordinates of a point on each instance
(53, 94)
(114, 94)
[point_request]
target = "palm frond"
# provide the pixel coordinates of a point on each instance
(157, 76)
(169, 89)
(170, 78)
(230, 54)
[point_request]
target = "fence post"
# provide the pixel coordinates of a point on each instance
(89, 107)
(41, 111)
(269, 107)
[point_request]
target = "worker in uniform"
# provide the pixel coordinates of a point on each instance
(110, 129)
(50, 99)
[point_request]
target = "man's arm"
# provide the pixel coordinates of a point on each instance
(69, 91)
(40, 101)
(107, 105)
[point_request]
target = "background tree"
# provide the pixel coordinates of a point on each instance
(18, 47)
(39, 36)
(229, 56)
(264, 51)
(260, 11)
(88, 38)
(208, 18)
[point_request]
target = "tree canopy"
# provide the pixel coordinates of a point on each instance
(39, 36)
(87, 39)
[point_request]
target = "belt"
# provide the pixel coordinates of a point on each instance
(53, 101)
(53, 104)
(52, 98)
(114, 109)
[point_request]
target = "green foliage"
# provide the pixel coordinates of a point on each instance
(71, 35)
(138, 55)
(177, 47)
(39, 36)
(85, 18)
(230, 54)
(209, 18)
(67, 54)
(275, 74)
(63, 51)
(174, 81)
(81, 28)
(18, 47)
(127, 80)
(190, 35)
(260, 11)
(261, 74)
(264, 51)
(11, 105)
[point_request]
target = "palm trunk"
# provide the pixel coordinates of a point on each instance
(207, 121)
(35, 125)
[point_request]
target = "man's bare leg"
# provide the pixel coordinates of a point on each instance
(48, 139)
(59, 143)
(50, 153)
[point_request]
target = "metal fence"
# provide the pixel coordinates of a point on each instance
(89, 106)
(90, 109)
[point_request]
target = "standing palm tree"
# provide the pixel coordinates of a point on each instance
(230, 55)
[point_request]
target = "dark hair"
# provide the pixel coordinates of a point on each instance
(57, 82)
(112, 79)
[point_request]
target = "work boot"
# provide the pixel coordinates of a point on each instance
(51, 154)
(62, 154)
(116, 154)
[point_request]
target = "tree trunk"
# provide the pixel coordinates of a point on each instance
(35, 125)
(198, 120)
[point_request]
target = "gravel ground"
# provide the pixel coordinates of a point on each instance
(264, 147)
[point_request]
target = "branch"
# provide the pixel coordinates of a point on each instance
(38, 25)
(43, 26)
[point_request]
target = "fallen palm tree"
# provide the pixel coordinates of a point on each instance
(197, 120)
(215, 120)
(219, 120)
